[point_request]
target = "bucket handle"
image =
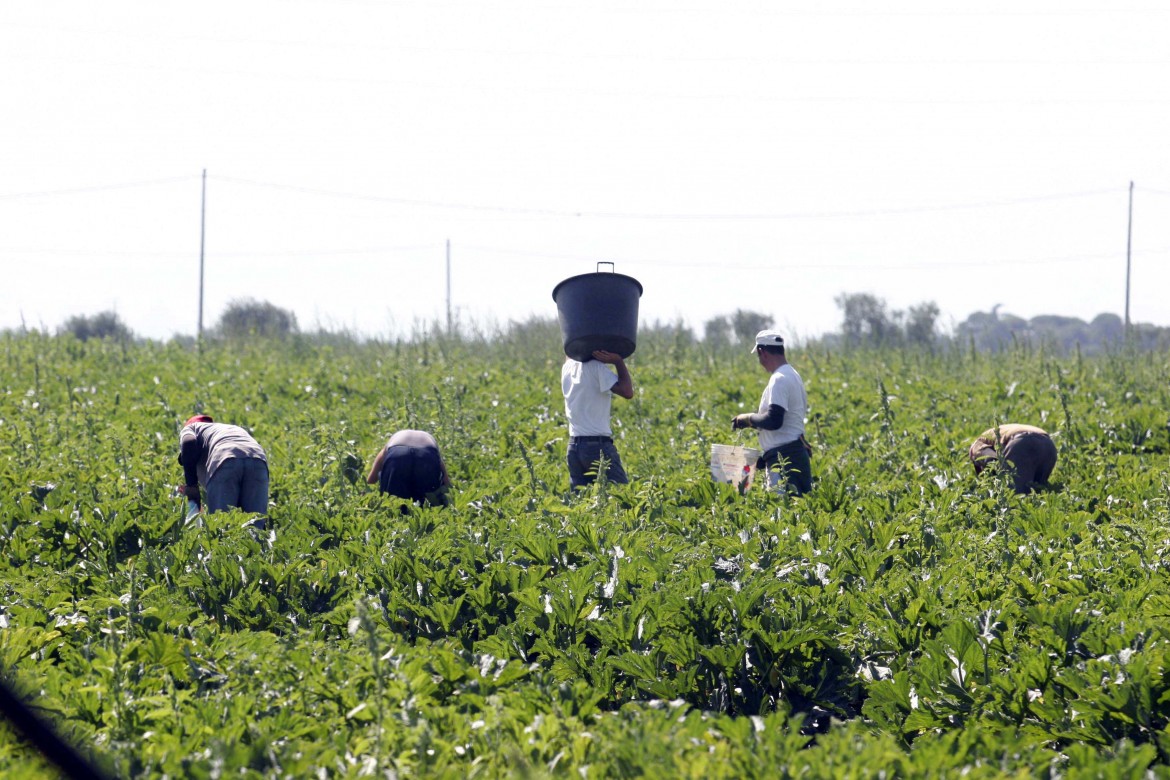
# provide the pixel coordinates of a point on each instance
(604, 262)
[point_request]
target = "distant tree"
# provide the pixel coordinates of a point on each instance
(1055, 322)
(717, 331)
(867, 320)
(1061, 331)
(746, 324)
(244, 318)
(993, 331)
(1149, 337)
(104, 325)
(922, 323)
(1107, 328)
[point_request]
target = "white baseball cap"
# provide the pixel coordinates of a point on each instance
(768, 338)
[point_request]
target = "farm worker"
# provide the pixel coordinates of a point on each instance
(780, 419)
(410, 466)
(227, 462)
(1029, 451)
(589, 388)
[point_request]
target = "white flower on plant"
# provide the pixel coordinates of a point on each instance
(959, 672)
(611, 584)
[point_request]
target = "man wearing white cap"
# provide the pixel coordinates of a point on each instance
(780, 419)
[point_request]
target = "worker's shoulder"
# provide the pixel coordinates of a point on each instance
(786, 372)
(410, 437)
(1008, 430)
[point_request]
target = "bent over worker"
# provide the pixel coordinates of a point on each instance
(1028, 450)
(227, 462)
(410, 466)
(780, 419)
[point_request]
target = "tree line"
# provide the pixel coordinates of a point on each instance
(243, 318)
(866, 321)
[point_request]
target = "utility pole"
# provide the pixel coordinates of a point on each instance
(202, 233)
(448, 288)
(1128, 248)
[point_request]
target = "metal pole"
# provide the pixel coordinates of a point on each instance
(202, 230)
(448, 287)
(1128, 248)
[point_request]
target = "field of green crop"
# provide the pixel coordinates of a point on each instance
(905, 618)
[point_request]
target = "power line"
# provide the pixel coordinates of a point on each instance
(787, 266)
(578, 214)
(540, 255)
(231, 254)
(581, 214)
(96, 188)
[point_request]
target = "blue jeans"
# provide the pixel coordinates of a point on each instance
(584, 455)
(415, 473)
(239, 483)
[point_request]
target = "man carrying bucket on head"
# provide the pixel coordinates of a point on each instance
(589, 388)
(780, 419)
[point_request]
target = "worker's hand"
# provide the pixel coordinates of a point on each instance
(192, 492)
(741, 421)
(612, 358)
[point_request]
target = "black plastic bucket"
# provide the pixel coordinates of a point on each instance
(598, 311)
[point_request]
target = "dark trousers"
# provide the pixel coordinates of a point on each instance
(1032, 457)
(793, 462)
(415, 473)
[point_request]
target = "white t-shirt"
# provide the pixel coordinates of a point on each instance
(785, 389)
(587, 389)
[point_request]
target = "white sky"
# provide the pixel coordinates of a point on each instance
(727, 154)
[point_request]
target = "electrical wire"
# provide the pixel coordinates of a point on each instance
(662, 216)
(96, 188)
(787, 266)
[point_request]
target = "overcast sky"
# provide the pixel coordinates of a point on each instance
(758, 155)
